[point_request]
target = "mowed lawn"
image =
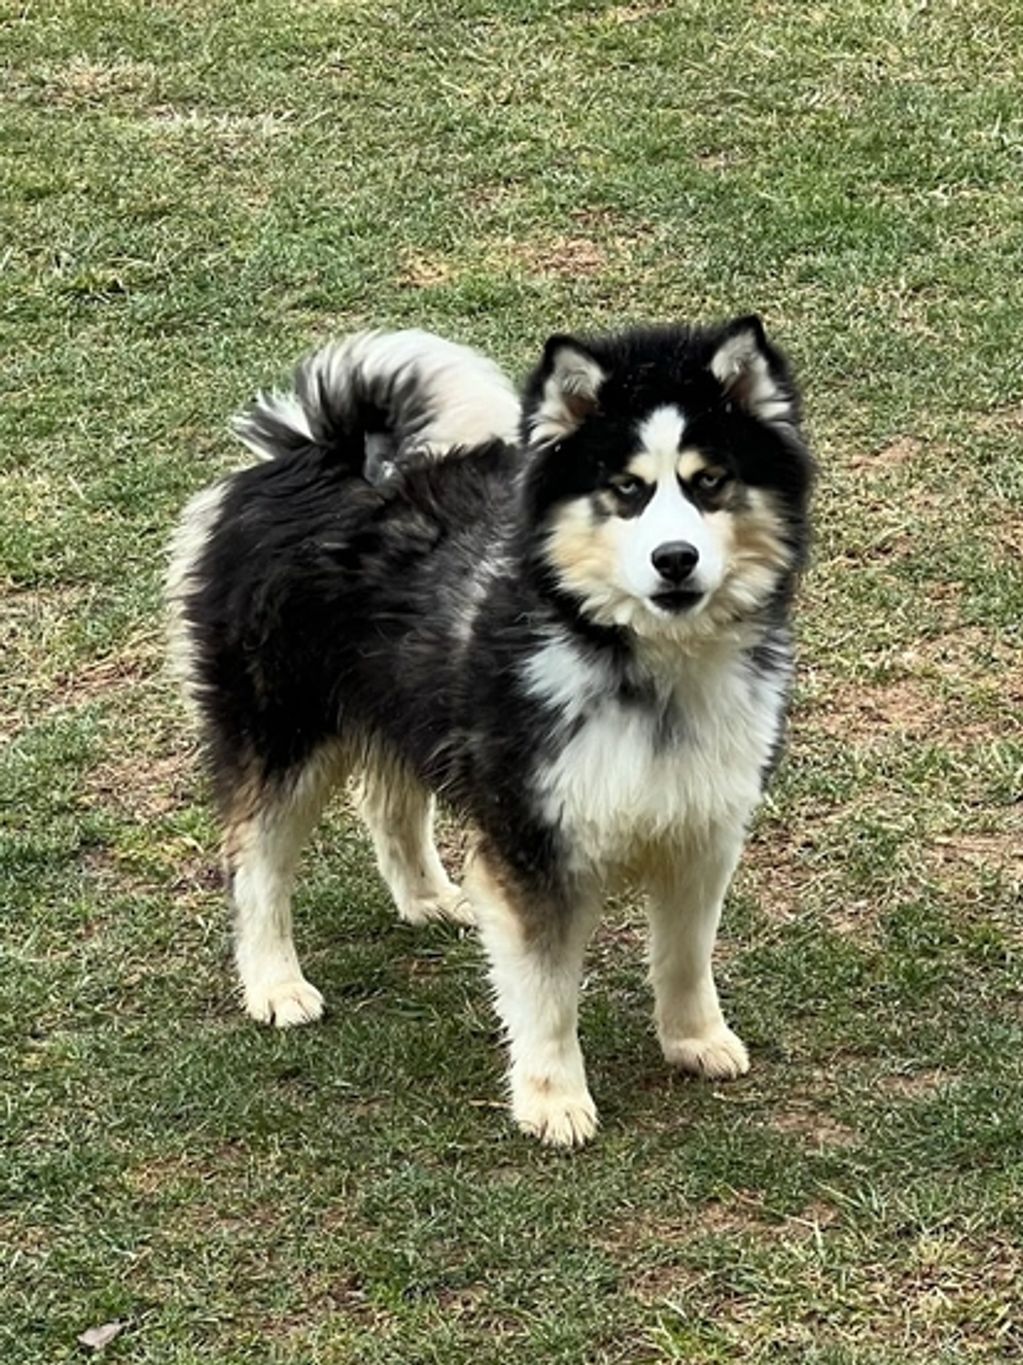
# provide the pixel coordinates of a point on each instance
(191, 195)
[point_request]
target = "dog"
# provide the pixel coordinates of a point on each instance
(568, 618)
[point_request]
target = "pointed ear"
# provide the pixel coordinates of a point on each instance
(752, 373)
(568, 382)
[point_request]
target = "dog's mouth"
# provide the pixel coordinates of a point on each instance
(674, 601)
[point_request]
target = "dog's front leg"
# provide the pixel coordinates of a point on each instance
(686, 894)
(535, 943)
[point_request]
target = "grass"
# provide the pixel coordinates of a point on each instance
(192, 194)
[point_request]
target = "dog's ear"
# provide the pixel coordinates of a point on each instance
(752, 373)
(566, 389)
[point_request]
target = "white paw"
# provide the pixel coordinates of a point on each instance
(719, 1055)
(284, 1003)
(448, 903)
(559, 1118)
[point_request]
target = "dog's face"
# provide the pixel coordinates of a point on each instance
(669, 481)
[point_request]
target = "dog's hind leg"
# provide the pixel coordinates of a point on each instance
(267, 824)
(686, 893)
(535, 946)
(398, 811)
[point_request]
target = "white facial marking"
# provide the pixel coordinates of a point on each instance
(668, 516)
(660, 434)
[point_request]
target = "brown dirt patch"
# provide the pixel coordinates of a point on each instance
(898, 452)
(82, 83)
(565, 256)
(146, 787)
(968, 650)
(493, 197)
(21, 1239)
(137, 663)
(820, 1130)
(917, 1085)
(161, 1173)
(740, 1216)
(420, 271)
(771, 870)
(962, 686)
(620, 934)
(785, 867)
(902, 709)
(1000, 851)
(612, 225)
(1001, 420)
(1004, 529)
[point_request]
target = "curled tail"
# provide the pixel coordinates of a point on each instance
(375, 397)
(363, 403)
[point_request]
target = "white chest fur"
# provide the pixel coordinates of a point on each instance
(634, 773)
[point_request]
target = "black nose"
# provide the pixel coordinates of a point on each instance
(676, 560)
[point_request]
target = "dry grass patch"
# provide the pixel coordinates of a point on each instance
(138, 662)
(902, 709)
(662, 1258)
(895, 454)
(184, 870)
(564, 255)
(806, 1122)
(918, 1085)
(156, 1175)
(1004, 532)
(791, 866)
(420, 271)
(1002, 420)
(145, 787)
(167, 117)
(955, 859)
(968, 651)
(84, 84)
(738, 1213)
(946, 1292)
(598, 241)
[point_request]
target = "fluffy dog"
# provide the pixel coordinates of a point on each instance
(571, 623)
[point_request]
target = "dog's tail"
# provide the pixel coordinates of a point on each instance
(375, 397)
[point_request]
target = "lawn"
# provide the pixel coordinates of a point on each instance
(192, 194)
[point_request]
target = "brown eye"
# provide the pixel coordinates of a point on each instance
(710, 481)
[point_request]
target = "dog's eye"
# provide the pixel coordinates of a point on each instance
(710, 480)
(627, 486)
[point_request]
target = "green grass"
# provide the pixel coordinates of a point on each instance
(191, 195)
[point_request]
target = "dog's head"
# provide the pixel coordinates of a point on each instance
(668, 480)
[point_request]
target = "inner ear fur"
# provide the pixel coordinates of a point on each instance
(745, 365)
(571, 380)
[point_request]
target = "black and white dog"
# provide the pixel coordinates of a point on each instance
(571, 623)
